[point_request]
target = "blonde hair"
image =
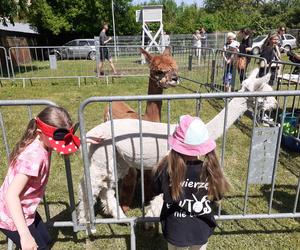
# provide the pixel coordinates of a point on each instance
(231, 35)
(55, 116)
(211, 170)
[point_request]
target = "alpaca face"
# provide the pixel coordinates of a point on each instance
(163, 69)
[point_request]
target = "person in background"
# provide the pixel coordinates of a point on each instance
(104, 53)
(197, 43)
(203, 36)
(230, 46)
(191, 180)
(281, 30)
(164, 41)
(270, 51)
(245, 48)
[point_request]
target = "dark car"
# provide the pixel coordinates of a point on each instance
(76, 49)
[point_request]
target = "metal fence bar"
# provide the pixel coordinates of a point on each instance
(141, 162)
(277, 154)
(4, 137)
(223, 143)
(250, 154)
(114, 160)
(4, 68)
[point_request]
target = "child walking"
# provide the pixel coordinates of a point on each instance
(25, 182)
(189, 186)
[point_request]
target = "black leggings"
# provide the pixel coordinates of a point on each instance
(38, 231)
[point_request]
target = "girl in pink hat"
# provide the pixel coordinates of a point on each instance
(189, 186)
(25, 182)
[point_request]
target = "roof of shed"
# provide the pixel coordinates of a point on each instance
(19, 27)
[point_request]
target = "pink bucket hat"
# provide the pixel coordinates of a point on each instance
(191, 137)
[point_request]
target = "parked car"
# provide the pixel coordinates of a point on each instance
(76, 49)
(288, 42)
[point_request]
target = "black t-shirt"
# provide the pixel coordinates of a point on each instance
(246, 43)
(188, 221)
(269, 53)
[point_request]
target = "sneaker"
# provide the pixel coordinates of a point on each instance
(117, 74)
(101, 73)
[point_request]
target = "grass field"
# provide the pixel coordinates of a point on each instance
(243, 234)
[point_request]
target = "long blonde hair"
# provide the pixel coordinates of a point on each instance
(54, 116)
(211, 170)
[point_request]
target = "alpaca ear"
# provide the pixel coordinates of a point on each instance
(167, 51)
(147, 55)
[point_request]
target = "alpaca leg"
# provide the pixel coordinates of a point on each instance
(81, 209)
(109, 203)
(128, 189)
(154, 209)
(98, 177)
(148, 185)
(83, 205)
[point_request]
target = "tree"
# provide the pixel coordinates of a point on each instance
(82, 18)
(10, 10)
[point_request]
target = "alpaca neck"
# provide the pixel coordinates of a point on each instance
(153, 108)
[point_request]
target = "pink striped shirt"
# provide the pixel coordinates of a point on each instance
(33, 162)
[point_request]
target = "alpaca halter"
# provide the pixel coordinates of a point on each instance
(61, 140)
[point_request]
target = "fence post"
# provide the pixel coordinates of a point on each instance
(190, 62)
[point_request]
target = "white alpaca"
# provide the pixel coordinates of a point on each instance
(127, 138)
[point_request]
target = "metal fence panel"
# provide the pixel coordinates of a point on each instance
(5, 122)
(245, 212)
(37, 62)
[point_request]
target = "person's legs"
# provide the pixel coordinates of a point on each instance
(112, 65)
(102, 58)
(13, 235)
(100, 68)
(273, 76)
(38, 231)
(242, 75)
(41, 227)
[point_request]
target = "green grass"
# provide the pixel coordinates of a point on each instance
(243, 234)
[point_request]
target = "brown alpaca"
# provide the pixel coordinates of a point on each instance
(163, 74)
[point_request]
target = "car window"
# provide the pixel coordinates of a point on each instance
(289, 37)
(71, 43)
(83, 43)
(92, 42)
(259, 39)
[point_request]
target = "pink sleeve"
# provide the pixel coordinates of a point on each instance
(29, 164)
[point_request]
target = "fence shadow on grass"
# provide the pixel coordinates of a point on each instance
(283, 199)
(26, 69)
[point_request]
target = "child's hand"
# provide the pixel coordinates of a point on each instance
(28, 243)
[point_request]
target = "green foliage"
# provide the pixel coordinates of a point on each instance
(80, 17)
(11, 10)
(84, 18)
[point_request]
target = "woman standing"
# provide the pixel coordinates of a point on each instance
(197, 43)
(245, 48)
(270, 51)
